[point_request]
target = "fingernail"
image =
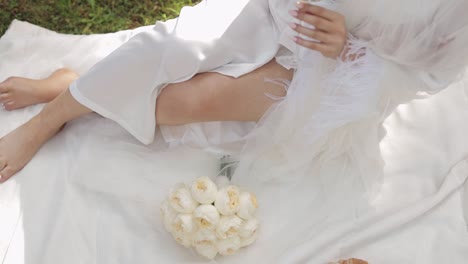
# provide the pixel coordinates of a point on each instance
(293, 13)
(296, 39)
(292, 25)
(300, 4)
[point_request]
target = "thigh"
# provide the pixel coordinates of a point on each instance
(248, 97)
(216, 97)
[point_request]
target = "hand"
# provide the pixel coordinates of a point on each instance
(330, 29)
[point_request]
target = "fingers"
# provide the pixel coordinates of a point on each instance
(322, 18)
(319, 23)
(329, 28)
(323, 48)
(321, 12)
(317, 35)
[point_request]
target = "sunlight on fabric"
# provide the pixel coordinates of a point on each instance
(16, 248)
(201, 56)
(213, 22)
(11, 229)
(103, 52)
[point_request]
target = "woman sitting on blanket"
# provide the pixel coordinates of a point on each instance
(348, 76)
(207, 96)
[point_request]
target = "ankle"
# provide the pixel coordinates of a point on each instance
(49, 124)
(50, 119)
(57, 82)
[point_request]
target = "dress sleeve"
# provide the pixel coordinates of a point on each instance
(426, 48)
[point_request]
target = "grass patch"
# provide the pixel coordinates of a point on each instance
(89, 16)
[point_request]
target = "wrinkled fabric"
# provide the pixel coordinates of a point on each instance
(211, 36)
(315, 161)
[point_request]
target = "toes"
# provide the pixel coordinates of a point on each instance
(6, 173)
(5, 97)
(9, 106)
(5, 85)
(2, 164)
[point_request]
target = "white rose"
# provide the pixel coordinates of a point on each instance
(181, 199)
(227, 200)
(228, 226)
(246, 241)
(247, 205)
(204, 237)
(248, 232)
(183, 239)
(206, 216)
(204, 190)
(204, 243)
(184, 224)
(222, 181)
(249, 227)
(207, 251)
(168, 215)
(228, 246)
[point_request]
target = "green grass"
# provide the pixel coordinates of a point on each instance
(89, 16)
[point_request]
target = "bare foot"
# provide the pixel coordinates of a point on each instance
(18, 92)
(18, 147)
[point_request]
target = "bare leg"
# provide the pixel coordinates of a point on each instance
(18, 147)
(207, 97)
(18, 92)
(216, 97)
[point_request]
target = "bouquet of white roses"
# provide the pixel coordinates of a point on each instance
(212, 218)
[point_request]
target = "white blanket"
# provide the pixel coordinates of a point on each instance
(92, 194)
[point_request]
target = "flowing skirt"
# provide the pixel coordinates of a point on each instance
(228, 37)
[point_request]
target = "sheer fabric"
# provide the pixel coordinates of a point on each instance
(325, 134)
(323, 138)
(313, 161)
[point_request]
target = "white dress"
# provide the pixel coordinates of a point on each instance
(91, 195)
(212, 36)
(236, 37)
(323, 137)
